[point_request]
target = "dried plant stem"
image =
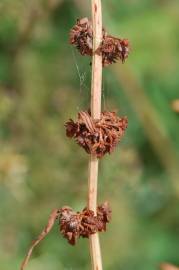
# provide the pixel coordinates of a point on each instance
(96, 85)
(42, 235)
(167, 266)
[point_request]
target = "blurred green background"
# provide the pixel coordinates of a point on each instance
(43, 83)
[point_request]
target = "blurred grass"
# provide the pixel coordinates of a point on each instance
(41, 169)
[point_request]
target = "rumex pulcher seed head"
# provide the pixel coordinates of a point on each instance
(97, 137)
(112, 49)
(74, 225)
(81, 36)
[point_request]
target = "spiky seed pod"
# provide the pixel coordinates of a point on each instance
(97, 137)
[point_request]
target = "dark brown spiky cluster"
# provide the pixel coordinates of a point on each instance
(97, 137)
(114, 49)
(111, 48)
(81, 36)
(74, 225)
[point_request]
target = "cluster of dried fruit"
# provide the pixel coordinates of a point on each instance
(81, 36)
(114, 49)
(97, 137)
(74, 225)
(111, 48)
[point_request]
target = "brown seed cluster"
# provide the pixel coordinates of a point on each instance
(114, 49)
(74, 225)
(111, 48)
(97, 137)
(81, 36)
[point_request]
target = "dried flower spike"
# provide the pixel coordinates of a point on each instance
(97, 137)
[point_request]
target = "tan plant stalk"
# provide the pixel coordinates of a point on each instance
(167, 266)
(96, 85)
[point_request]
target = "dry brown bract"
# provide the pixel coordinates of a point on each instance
(74, 225)
(111, 48)
(97, 137)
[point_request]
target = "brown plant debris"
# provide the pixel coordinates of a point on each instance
(97, 137)
(73, 225)
(111, 48)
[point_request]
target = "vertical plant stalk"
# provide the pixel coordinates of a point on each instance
(96, 85)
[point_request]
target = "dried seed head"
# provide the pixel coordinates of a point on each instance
(113, 49)
(81, 36)
(97, 137)
(74, 225)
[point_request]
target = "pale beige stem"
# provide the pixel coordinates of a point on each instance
(96, 85)
(167, 266)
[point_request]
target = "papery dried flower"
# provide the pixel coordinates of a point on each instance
(113, 49)
(97, 137)
(81, 36)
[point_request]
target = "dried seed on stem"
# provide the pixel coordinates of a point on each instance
(113, 49)
(81, 36)
(74, 225)
(97, 137)
(110, 48)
